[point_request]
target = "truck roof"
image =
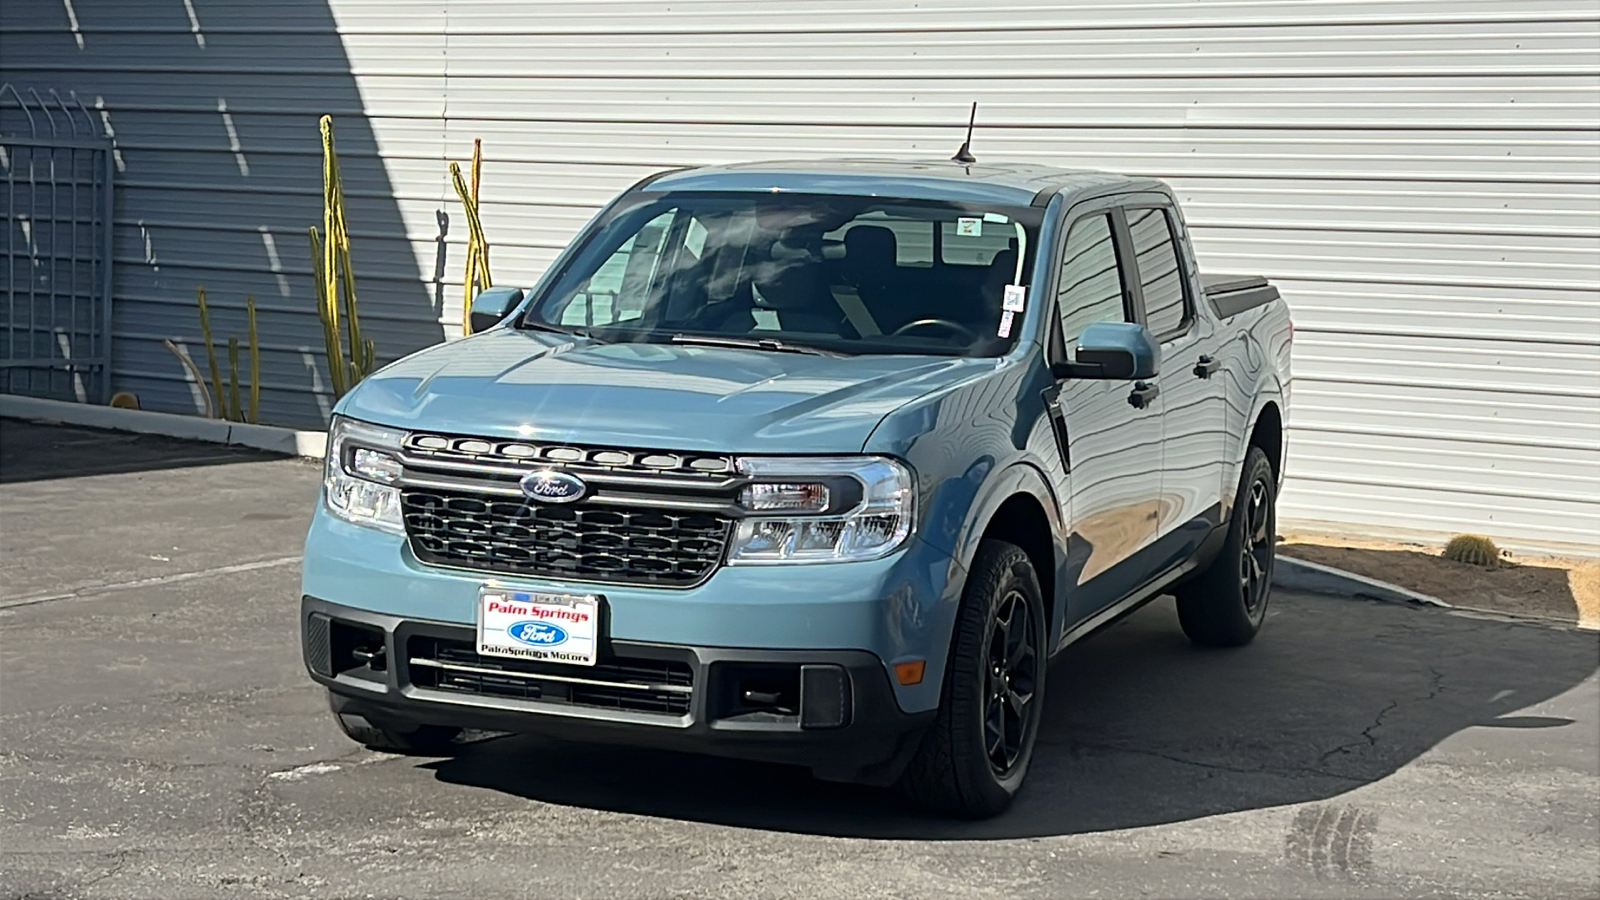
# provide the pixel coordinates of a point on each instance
(1015, 184)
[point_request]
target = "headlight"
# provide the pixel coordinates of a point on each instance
(859, 508)
(363, 463)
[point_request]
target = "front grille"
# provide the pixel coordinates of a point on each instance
(635, 684)
(522, 453)
(583, 541)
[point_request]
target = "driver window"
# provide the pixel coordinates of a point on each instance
(1090, 289)
(618, 289)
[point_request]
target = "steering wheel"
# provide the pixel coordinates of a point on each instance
(960, 329)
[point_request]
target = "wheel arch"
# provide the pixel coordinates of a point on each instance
(1018, 506)
(1267, 433)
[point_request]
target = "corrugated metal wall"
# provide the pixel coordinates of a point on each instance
(1421, 176)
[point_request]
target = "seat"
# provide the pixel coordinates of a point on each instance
(869, 261)
(794, 287)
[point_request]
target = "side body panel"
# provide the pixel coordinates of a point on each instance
(1191, 404)
(1111, 449)
(1257, 346)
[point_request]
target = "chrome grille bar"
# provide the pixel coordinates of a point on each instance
(565, 679)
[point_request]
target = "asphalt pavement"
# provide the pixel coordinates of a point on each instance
(158, 738)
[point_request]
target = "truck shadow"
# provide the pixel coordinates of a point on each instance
(1140, 729)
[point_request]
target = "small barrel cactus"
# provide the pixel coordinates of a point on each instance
(1473, 549)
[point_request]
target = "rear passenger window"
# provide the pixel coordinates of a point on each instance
(1091, 282)
(975, 249)
(1160, 276)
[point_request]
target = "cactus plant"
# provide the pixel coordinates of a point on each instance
(211, 352)
(255, 358)
(222, 397)
(477, 247)
(335, 277)
(477, 273)
(1473, 549)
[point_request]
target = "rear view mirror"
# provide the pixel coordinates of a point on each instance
(492, 305)
(1122, 351)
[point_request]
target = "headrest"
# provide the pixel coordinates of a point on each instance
(1003, 268)
(870, 244)
(791, 278)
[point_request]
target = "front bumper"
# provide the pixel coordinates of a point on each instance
(898, 608)
(832, 710)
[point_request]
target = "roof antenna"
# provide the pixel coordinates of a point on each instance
(964, 155)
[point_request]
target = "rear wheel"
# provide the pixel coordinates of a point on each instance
(1225, 605)
(974, 757)
(424, 740)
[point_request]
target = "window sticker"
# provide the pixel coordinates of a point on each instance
(997, 218)
(1015, 297)
(1005, 324)
(969, 227)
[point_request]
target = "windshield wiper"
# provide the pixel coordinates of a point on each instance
(535, 325)
(770, 345)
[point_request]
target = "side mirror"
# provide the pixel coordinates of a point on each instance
(491, 306)
(1122, 351)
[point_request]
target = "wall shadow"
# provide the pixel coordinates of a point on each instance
(1141, 729)
(214, 107)
(37, 451)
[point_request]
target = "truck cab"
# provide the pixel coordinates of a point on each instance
(817, 463)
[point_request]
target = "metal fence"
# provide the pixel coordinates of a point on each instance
(56, 161)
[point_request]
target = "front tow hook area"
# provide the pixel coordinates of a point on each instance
(374, 657)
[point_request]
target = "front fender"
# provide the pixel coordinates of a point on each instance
(1020, 477)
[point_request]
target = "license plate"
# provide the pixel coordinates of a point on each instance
(562, 628)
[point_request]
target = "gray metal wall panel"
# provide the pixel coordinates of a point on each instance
(219, 175)
(1423, 179)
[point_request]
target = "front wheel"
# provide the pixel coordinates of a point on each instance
(975, 755)
(1225, 605)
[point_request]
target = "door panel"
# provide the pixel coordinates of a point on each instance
(1193, 415)
(1113, 449)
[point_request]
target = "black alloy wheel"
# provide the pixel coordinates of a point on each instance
(974, 757)
(1013, 669)
(1225, 603)
(1256, 550)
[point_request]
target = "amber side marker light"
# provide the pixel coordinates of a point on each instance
(909, 672)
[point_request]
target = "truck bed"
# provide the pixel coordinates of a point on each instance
(1234, 294)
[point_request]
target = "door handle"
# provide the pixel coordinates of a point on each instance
(1206, 366)
(1143, 393)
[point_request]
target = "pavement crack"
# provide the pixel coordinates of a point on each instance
(1368, 737)
(95, 590)
(120, 858)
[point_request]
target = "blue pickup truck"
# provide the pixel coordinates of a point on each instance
(818, 463)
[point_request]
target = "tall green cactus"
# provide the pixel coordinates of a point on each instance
(335, 278)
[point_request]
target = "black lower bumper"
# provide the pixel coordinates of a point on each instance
(833, 711)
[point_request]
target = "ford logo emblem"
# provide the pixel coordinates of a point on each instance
(537, 634)
(550, 486)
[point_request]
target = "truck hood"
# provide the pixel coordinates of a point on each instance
(550, 387)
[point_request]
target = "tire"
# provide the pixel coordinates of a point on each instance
(1225, 604)
(973, 759)
(425, 740)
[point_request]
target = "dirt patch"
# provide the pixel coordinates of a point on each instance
(1550, 587)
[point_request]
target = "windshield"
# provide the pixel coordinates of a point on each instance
(796, 271)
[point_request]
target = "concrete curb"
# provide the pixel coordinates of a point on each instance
(288, 441)
(1299, 575)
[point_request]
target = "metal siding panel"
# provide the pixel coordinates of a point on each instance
(1421, 178)
(219, 175)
